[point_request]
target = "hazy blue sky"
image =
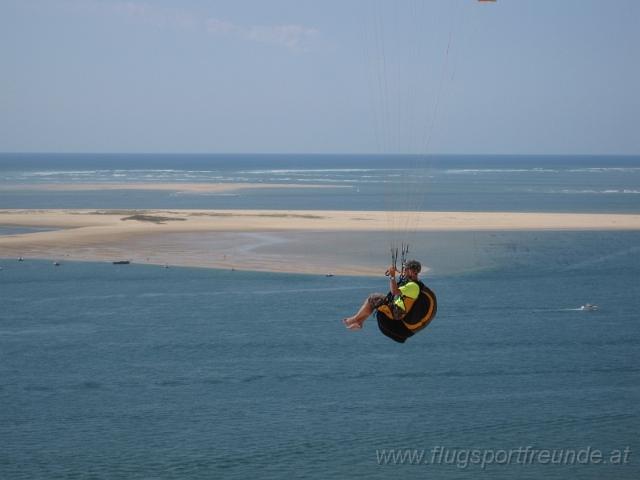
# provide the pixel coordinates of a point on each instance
(520, 76)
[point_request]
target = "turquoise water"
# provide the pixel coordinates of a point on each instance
(137, 371)
(144, 372)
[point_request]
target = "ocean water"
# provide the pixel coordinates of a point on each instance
(144, 372)
(363, 182)
(138, 371)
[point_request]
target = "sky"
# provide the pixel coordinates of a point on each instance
(331, 76)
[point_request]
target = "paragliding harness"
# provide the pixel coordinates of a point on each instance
(419, 311)
(418, 314)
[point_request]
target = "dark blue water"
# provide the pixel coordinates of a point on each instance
(143, 372)
(357, 182)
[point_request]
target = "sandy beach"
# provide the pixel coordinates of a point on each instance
(317, 242)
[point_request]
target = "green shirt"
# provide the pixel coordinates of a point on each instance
(409, 289)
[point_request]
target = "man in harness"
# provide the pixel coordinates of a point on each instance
(408, 307)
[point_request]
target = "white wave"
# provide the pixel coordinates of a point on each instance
(543, 170)
(161, 170)
(46, 173)
(500, 170)
(308, 170)
(204, 194)
(624, 191)
(605, 169)
(325, 180)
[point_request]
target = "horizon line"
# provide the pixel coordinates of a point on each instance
(379, 154)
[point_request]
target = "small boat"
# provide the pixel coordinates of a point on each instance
(21, 259)
(329, 275)
(588, 307)
(122, 262)
(56, 264)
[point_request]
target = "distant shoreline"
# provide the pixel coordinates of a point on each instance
(173, 187)
(245, 239)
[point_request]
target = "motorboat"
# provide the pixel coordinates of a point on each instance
(589, 307)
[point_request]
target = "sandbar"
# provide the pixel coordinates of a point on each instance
(308, 241)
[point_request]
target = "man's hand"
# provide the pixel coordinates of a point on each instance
(393, 286)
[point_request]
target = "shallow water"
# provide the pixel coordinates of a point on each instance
(18, 230)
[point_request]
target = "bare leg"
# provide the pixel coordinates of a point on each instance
(355, 322)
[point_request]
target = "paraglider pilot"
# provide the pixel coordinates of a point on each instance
(408, 307)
